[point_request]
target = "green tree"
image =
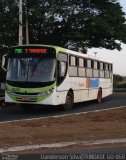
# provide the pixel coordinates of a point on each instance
(75, 24)
(117, 78)
(8, 22)
(119, 81)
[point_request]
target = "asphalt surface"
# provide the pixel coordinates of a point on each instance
(100, 153)
(108, 153)
(13, 112)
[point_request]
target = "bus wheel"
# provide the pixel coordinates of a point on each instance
(69, 101)
(99, 96)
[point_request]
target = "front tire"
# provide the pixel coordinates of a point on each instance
(69, 101)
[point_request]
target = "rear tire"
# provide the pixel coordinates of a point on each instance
(99, 95)
(69, 101)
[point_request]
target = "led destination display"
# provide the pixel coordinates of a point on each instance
(31, 50)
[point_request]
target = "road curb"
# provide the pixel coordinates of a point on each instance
(62, 144)
(119, 90)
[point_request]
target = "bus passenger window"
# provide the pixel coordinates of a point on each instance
(95, 65)
(88, 63)
(63, 69)
(81, 62)
(106, 67)
(81, 68)
(73, 61)
(101, 66)
(95, 70)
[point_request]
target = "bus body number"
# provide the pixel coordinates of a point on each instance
(16, 89)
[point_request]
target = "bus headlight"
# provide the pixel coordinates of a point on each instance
(10, 92)
(45, 93)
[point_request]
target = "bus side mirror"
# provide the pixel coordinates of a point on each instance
(4, 62)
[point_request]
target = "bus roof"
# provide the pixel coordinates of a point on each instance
(68, 51)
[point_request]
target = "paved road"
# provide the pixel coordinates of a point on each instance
(17, 113)
(96, 153)
(111, 153)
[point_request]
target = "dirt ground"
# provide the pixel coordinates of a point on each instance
(90, 126)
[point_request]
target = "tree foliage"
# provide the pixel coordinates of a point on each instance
(119, 81)
(75, 24)
(8, 22)
(117, 78)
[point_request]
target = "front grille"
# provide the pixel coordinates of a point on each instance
(19, 93)
(25, 101)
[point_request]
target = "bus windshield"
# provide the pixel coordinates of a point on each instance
(31, 69)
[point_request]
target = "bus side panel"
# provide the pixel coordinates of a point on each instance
(107, 87)
(80, 96)
(51, 100)
(62, 90)
(106, 92)
(61, 97)
(77, 84)
(84, 89)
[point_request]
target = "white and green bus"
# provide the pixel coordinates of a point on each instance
(51, 75)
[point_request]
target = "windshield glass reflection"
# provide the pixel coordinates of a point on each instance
(31, 69)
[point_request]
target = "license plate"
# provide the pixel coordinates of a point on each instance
(25, 98)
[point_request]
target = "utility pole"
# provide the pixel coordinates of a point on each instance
(27, 28)
(20, 23)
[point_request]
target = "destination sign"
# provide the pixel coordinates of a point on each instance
(31, 50)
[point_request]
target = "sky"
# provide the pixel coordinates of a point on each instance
(118, 58)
